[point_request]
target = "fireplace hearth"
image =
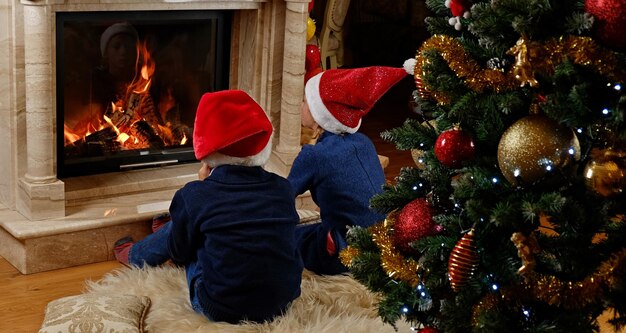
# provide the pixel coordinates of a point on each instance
(57, 212)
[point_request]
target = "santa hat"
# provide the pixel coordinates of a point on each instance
(339, 98)
(231, 123)
(117, 28)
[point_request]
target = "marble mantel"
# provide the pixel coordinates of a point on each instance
(48, 223)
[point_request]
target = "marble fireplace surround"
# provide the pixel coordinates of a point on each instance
(47, 223)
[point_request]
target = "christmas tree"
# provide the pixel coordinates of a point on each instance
(513, 217)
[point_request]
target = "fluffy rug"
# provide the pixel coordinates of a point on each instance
(327, 304)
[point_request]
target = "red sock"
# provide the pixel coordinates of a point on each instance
(121, 250)
(331, 248)
(159, 220)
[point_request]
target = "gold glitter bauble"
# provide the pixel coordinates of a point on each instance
(310, 28)
(534, 146)
(417, 156)
(605, 174)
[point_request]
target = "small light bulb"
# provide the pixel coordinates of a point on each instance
(494, 180)
(494, 286)
(618, 87)
(605, 111)
(405, 309)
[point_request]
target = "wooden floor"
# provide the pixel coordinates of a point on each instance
(23, 298)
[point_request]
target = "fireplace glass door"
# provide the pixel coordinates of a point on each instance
(128, 84)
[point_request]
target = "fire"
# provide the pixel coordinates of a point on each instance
(141, 83)
(133, 121)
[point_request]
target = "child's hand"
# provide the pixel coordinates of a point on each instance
(204, 171)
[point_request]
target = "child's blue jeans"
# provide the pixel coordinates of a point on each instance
(153, 251)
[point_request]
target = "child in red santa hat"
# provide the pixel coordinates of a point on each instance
(342, 169)
(233, 230)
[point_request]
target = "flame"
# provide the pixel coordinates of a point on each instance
(70, 136)
(141, 83)
(108, 120)
(183, 140)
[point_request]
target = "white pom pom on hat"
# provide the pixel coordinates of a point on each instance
(409, 66)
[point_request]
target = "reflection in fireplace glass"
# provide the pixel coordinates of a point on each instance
(128, 84)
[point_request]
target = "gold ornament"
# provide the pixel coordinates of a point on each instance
(522, 69)
(310, 29)
(534, 146)
(527, 248)
(417, 156)
(463, 261)
(605, 174)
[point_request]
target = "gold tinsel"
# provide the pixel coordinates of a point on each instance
(541, 56)
(571, 294)
(347, 255)
(394, 264)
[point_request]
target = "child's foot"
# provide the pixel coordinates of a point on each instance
(122, 248)
(331, 247)
(159, 220)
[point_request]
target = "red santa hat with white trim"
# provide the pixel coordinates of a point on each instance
(230, 122)
(339, 98)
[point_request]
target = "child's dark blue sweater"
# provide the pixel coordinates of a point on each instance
(239, 225)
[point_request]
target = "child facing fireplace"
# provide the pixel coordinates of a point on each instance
(234, 229)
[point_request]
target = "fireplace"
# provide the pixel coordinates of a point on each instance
(128, 84)
(59, 204)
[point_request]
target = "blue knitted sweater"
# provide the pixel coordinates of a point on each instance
(238, 224)
(342, 172)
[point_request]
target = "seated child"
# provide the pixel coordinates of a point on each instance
(341, 169)
(233, 230)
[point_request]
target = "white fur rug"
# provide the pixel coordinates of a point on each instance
(327, 304)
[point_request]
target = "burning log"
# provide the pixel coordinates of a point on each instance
(102, 142)
(147, 135)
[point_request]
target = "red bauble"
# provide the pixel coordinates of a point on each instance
(453, 147)
(311, 73)
(463, 261)
(609, 21)
(311, 4)
(428, 330)
(414, 222)
(313, 57)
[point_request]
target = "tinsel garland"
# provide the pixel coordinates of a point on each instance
(543, 57)
(393, 263)
(570, 294)
(556, 292)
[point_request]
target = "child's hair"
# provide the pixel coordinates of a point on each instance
(216, 159)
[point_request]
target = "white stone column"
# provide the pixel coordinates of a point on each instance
(292, 81)
(40, 194)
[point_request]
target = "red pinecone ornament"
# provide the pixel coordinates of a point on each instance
(609, 21)
(414, 222)
(463, 261)
(453, 147)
